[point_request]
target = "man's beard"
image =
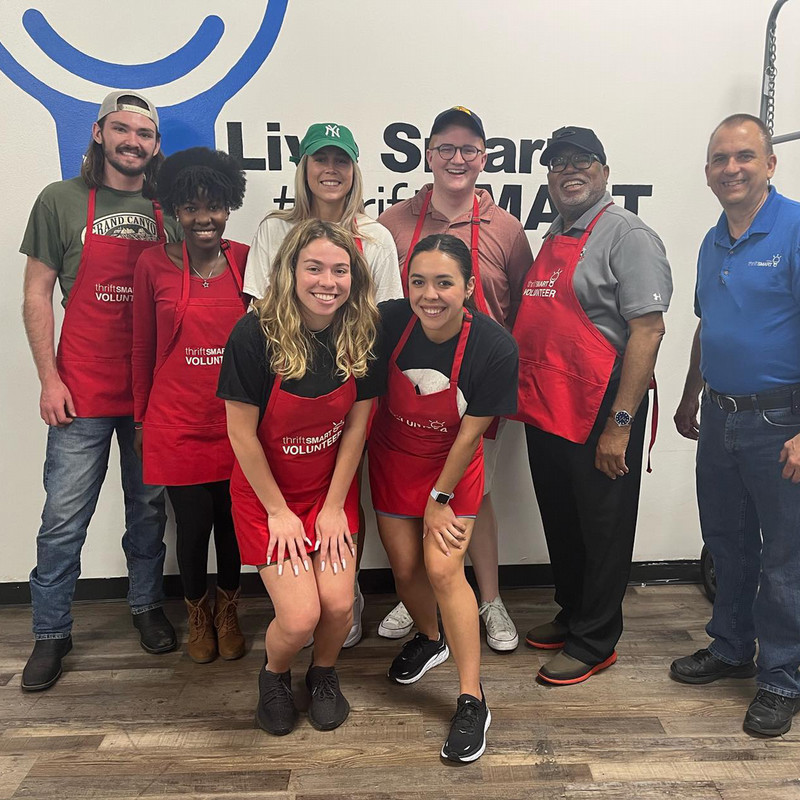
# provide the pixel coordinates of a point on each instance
(124, 169)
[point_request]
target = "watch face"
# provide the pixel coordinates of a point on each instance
(623, 419)
(443, 498)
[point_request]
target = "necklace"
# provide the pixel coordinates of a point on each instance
(210, 272)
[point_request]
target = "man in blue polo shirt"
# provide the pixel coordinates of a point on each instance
(746, 360)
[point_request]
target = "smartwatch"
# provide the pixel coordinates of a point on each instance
(441, 497)
(622, 419)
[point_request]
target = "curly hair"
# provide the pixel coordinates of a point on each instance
(354, 327)
(188, 174)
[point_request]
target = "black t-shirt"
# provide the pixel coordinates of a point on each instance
(245, 375)
(489, 370)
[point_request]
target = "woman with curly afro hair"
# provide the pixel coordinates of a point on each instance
(187, 298)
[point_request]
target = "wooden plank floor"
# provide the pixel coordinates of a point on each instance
(124, 724)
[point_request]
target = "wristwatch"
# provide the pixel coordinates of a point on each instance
(441, 497)
(622, 419)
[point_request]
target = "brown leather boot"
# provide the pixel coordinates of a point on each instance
(229, 635)
(202, 642)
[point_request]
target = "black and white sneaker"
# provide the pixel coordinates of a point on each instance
(418, 656)
(467, 739)
(329, 707)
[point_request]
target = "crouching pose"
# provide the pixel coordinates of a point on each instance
(298, 390)
(450, 372)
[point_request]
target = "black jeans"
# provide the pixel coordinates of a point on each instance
(589, 523)
(198, 508)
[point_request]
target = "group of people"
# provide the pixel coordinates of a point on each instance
(411, 339)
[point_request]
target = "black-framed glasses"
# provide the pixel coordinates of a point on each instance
(468, 151)
(580, 161)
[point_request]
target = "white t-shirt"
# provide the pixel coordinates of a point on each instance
(379, 250)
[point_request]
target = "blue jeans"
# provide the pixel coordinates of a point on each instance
(750, 517)
(74, 469)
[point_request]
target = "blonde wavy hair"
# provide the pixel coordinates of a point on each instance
(303, 199)
(290, 344)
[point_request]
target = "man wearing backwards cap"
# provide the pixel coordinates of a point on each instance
(589, 326)
(502, 255)
(87, 233)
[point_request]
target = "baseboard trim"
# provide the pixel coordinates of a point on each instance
(373, 581)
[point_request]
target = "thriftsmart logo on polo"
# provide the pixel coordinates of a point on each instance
(204, 356)
(772, 262)
(305, 445)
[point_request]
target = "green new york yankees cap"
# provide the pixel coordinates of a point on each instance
(327, 134)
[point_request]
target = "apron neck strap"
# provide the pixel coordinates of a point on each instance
(414, 239)
(359, 243)
(404, 337)
(90, 211)
(475, 225)
(159, 216)
(460, 347)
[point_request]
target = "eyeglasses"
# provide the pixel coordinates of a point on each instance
(578, 160)
(468, 151)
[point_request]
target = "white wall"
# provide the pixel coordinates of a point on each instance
(652, 78)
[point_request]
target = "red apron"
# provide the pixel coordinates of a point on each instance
(565, 363)
(94, 351)
(185, 432)
(300, 437)
(480, 298)
(411, 439)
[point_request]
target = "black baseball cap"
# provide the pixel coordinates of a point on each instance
(582, 138)
(458, 115)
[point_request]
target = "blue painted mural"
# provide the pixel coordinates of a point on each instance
(185, 124)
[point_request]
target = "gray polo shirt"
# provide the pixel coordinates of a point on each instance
(623, 272)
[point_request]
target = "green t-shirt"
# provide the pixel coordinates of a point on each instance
(57, 225)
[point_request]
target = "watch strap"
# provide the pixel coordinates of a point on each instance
(441, 497)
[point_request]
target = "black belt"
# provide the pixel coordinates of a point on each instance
(764, 401)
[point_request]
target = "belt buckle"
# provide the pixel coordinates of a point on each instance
(725, 400)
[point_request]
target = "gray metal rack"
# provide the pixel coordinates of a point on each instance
(767, 112)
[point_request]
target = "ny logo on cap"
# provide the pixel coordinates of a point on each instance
(461, 108)
(332, 130)
(564, 132)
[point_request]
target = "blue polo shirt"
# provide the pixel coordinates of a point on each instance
(748, 298)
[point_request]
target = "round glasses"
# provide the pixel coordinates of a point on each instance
(468, 151)
(580, 161)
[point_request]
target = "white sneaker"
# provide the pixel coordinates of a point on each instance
(501, 634)
(396, 624)
(356, 632)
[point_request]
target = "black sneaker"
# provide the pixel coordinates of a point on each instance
(329, 707)
(44, 664)
(467, 739)
(276, 712)
(418, 656)
(770, 714)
